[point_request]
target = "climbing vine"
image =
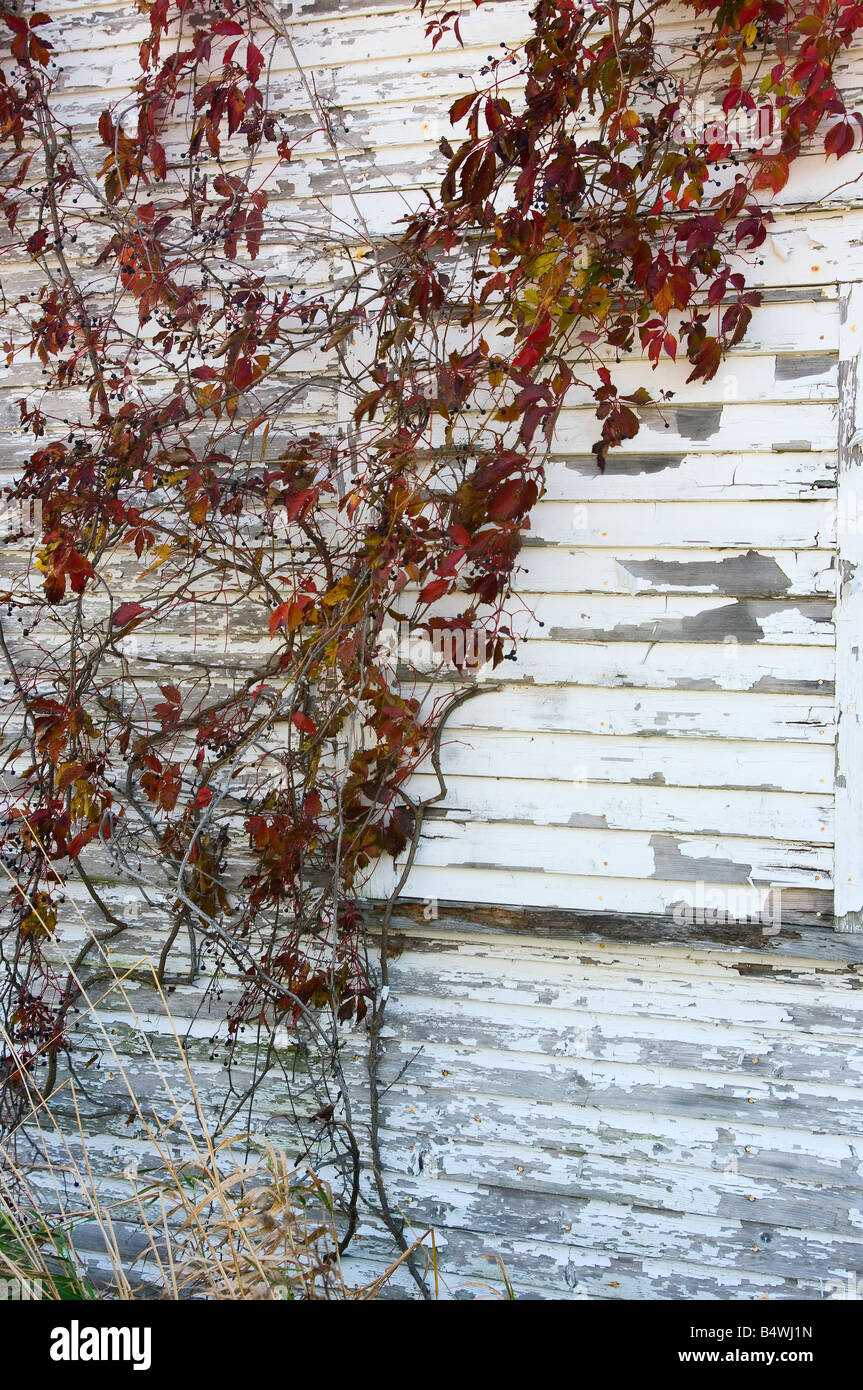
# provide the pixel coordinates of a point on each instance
(203, 707)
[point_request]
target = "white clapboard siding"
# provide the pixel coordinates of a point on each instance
(548, 569)
(542, 800)
(787, 525)
(685, 594)
(573, 709)
(622, 1048)
(616, 1124)
(613, 1121)
(554, 757)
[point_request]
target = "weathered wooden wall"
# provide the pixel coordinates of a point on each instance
(628, 1121)
(625, 1105)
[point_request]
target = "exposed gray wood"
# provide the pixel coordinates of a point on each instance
(812, 943)
(849, 621)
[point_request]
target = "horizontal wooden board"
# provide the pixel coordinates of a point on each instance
(621, 854)
(647, 476)
(673, 618)
(630, 806)
(610, 713)
(738, 573)
(791, 525)
(496, 883)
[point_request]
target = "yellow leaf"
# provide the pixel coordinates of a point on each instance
(163, 552)
(663, 299)
(338, 593)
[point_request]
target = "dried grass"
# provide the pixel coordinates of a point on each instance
(231, 1218)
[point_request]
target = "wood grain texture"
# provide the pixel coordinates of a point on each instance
(849, 619)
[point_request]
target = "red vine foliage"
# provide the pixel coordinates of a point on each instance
(246, 775)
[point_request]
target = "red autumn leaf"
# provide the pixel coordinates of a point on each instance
(254, 62)
(706, 361)
(37, 241)
(839, 139)
(168, 714)
(300, 503)
(79, 569)
(244, 373)
(450, 564)
(461, 106)
(484, 180)
(227, 26)
(534, 345)
(527, 358)
(303, 723)
(681, 285)
(40, 51)
(161, 788)
(254, 232)
(236, 107)
(434, 590)
(126, 613)
(506, 501)
(157, 156)
(773, 174)
(169, 790)
(279, 617)
(204, 797)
